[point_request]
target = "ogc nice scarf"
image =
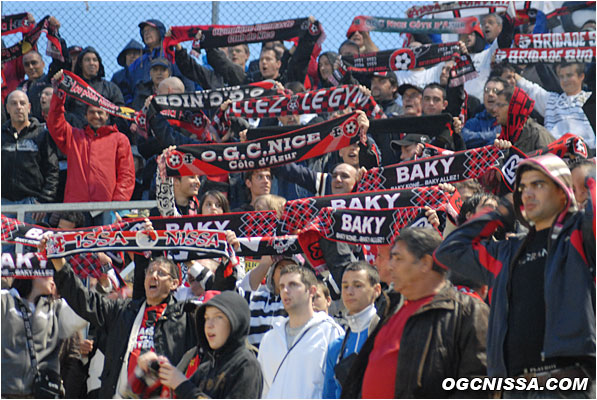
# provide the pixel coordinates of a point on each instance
(298, 213)
(30, 39)
(457, 8)
(413, 25)
(77, 88)
(230, 35)
(216, 159)
(200, 100)
(555, 40)
(244, 224)
(456, 167)
(311, 102)
(210, 244)
(546, 56)
(16, 23)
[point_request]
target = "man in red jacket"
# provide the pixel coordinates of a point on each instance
(99, 157)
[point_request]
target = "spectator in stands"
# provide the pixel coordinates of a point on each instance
(160, 70)
(348, 48)
(542, 322)
(482, 129)
(517, 126)
(50, 320)
(185, 190)
(155, 321)
(322, 299)
(360, 288)
(492, 26)
(564, 112)
(384, 88)
(214, 203)
(29, 157)
(411, 146)
(34, 66)
(258, 182)
(395, 362)
(74, 52)
(264, 299)
(233, 370)
(435, 102)
(122, 78)
(325, 67)
(90, 68)
(292, 355)
(411, 100)
(580, 169)
(100, 166)
(362, 38)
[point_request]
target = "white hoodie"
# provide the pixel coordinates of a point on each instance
(302, 373)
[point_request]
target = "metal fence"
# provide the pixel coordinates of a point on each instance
(108, 26)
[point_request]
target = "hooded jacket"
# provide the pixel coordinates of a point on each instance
(232, 371)
(298, 373)
(100, 162)
(107, 89)
(122, 77)
(569, 269)
(29, 163)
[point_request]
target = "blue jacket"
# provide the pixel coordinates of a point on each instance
(569, 280)
(480, 131)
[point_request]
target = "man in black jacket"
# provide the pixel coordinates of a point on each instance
(29, 156)
(434, 332)
(154, 322)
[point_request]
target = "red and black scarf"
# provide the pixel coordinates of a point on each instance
(413, 25)
(16, 23)
(545, 56)
(519, 110)
(555, 40)
(29, 41)
(455, 8)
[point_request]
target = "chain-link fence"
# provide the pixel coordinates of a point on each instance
(108, 26)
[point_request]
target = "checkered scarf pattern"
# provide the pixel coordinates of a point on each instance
(255, 224)
(87, 265)
(298, 213)
(519, 111)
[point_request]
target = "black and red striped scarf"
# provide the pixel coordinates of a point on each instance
(215, 36)
(16, 23)
(413, 25)
(519, 110)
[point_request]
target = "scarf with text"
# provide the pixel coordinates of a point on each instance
(546, 56)
(310, 102)
(26, 265)
(456, 8)
(519, 110)
(16, 23)
(553, 18)
(77, 88)
(215, 159)
(413, 25)
(455, 167)
(555, 40)
(29, 41)
(298, 213)
(214, 36)
(205, 243)
(194, 122)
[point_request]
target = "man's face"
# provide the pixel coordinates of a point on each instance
(158, 73)
(295, 295)
(33, 65)
(433, 101)
(490, 95)
(541, 198)
(469, 39)
(151, 36)
(131, 55)
(158, 283)
(350, 154)
(408, 152)
(411, 102)
(357, 291)
(382, 263)
(90, 65)
(320, 301)
(96, 117)
(18, 107)
(45, 98)
(570, 80)
(217, 327)
(260, 183)
(291, 119)
(187, 186)
(344, 177)
(581, 193)
(501, 110)
(238, 55)
(349, 50)
(491, 28)
(325, 68)
(405, 269)
(269, 66)
(382, 89)
(509, 76)
(445, 75)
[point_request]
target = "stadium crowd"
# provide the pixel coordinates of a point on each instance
(502, 285)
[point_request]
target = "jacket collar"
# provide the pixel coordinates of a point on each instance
(361, 320)
(101, 131)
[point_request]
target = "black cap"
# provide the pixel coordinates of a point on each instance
(405, 86)
(411, 138)
(388, 75)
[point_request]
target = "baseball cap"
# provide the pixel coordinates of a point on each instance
(160, 61)
(411, 138)
(405, 86)
(388, 75)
